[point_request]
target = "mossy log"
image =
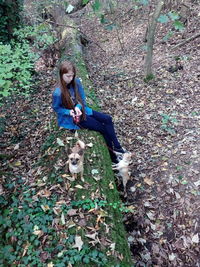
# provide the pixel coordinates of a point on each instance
(99, 178)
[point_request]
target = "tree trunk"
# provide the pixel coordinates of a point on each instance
(150, 38)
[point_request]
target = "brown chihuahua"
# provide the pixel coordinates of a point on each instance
(76, 158)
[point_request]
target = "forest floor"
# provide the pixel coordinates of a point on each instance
(159, 122)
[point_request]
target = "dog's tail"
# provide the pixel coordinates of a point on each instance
(81, 144)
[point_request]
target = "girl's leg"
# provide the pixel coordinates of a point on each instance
(92, 124)
(109, 126)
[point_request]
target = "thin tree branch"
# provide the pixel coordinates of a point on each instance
(186, 41)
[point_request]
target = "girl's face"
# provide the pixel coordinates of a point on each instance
(68, 77)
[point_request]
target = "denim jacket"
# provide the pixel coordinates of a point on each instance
(63, 117)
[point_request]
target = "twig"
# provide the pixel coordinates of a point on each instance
(187, 40)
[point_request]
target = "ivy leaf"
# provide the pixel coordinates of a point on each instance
(178, 25)
(173, 15)
(103, 20)
(5, 93)
(84, 2)
(96, 6)
(163, 19)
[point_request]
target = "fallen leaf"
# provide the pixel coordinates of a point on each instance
(172, 257)
(97, 178)
(37, 231)
(56, 210)
(25, 249)
(70, 224)
(76, 134)
(82, 223)
(150, 215)
(16, 146)
(62, 218)
(1, 190)
(69, 8)
(79, 186)
(197, 183)
(148, 181)
(169, 91)
(45, 207)
(195, 238)
(132, 189)
(78, 242)
(92, 236)
(111, 186)
(59, 142)
(142, 240)
(17, 163)
(72, 212)
(44, 193)
(94, 171)
(89, 145)
(112, 246)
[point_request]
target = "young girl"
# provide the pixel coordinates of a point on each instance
(69, 102)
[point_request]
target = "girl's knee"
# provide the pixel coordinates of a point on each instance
(108, 118)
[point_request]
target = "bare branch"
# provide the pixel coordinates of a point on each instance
(186, 41)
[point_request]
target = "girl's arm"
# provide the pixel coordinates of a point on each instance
(57, 105)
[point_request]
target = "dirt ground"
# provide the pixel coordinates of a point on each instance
(157, 121)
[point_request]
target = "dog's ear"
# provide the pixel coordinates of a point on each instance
(69, 151)
(80, 152)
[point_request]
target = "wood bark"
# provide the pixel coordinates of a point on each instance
(151, 37)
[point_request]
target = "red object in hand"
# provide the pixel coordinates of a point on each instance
(76, 119)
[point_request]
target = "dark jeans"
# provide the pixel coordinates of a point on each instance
(103, 124)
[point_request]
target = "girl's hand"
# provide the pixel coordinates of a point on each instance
(78, 111)
(71, 113)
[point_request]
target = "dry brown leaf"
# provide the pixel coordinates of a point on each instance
(44, 193)
(148, 181)
(72, 212)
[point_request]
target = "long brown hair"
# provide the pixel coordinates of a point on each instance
(65, 67)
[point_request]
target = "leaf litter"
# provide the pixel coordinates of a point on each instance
(157, 121)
